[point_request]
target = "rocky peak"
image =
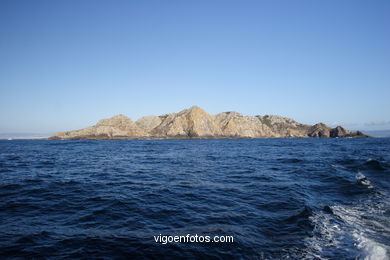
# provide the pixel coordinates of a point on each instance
(228, 115)
(191, 122)
(319, 130)
(320, 125)
(194, 111)
(196, 108)
(198, 122)
(120, 121)
(119, 125)
(339, 132)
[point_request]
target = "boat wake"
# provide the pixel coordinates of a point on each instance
(351, 227)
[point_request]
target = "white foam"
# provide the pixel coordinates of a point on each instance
(354, 227)
(339, 166)
(371, 249)
(326, 234)
(362, 179)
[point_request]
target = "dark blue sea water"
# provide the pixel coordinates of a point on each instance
(278, 198)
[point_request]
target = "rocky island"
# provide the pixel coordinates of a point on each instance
(194, 122)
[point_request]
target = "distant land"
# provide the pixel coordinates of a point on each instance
(23, 135)
(378, 133)
(195, 123)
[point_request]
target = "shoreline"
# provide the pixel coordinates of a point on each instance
(196, 138)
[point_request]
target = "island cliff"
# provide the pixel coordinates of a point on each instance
(197, 123)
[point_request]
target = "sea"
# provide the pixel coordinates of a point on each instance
(121, 199)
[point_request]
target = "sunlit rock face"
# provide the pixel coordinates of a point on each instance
(115, 126)
(234, 124)
(319, 130)
(194, 122)
(147, 123)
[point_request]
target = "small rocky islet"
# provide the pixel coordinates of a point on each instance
(194, 122)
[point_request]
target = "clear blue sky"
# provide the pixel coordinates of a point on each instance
(66, 64)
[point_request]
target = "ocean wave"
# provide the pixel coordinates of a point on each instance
(373, 165)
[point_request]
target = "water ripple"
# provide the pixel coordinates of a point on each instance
(279, 198)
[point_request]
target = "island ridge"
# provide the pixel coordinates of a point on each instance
(194, 122)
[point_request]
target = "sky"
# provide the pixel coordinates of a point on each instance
(66, 64)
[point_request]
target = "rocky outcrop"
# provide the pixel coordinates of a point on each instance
(147, 123)
(320, 130)
(284, 127)
(342, 132)
(116, 126)
(194, 122)
(339, 132)
(233, 124)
